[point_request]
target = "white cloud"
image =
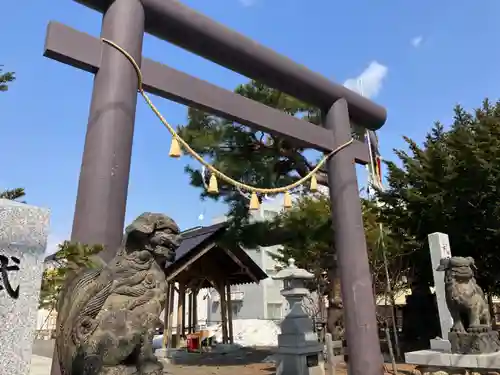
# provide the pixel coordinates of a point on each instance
(417, 41)
(247, 3)
(369, 82)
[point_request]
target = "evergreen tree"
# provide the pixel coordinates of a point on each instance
(310, 241)
(5, 79)
(450, 184)
(69, 258)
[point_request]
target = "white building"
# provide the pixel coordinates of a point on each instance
(255, 301)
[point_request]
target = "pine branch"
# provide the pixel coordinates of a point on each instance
(13, 194)
(5, 79)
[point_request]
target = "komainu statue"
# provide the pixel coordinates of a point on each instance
(471, 331)
(107, 317)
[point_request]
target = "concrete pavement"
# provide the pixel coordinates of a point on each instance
(43, 348)
(40, 365)
(41, 359)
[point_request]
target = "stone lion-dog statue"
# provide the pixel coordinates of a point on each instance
(464, 297)
(107, 317)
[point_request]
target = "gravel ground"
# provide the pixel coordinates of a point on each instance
(246, 361)
(259, 369)
(43, 348)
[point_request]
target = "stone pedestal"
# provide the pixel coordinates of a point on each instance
(23, 239)
(299, 352)
(453, 363)
(474, 342)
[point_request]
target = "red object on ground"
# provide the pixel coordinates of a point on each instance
(193, 343)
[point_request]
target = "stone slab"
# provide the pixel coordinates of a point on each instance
(23, 240)
(440, 359)
(299, 365)
(441, 345)
(439, 247)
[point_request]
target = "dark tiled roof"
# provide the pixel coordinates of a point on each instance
(197, 239)
(50, 258)
(192, 238)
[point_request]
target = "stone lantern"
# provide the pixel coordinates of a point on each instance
(299, 352)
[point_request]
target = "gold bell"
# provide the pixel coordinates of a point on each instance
(314, 183)
(287, 200)
(175, 148)
(254, 202)
(213, 187)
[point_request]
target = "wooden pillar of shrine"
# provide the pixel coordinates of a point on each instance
(165, 317)
(229, 314)
(223, 311)
(190, 312)
(170, 315)
(195, 308)
(183, 311)
(180, 306)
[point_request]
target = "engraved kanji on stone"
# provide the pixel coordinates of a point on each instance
(5, 267)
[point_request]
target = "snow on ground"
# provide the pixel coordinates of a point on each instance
(250, 332)
(246, 333)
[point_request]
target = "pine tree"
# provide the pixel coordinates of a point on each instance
(69, 258)
(13, 194)
(5, 79)
(249, 156)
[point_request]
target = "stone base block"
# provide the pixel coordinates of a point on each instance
(441, 345)
(423, 370)
(474, 343)
(292, 364)
(472, 362)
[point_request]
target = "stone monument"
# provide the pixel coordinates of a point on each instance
(299, 352)
(23, 239)
(108, 316)
(439, 247)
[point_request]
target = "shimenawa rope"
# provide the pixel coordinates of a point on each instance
(215, 172)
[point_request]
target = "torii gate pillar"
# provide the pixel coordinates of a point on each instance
(110, 130)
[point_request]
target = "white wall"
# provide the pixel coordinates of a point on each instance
(44, 321)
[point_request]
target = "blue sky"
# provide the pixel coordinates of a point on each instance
(419, 58)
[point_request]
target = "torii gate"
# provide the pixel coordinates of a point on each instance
(102, 191)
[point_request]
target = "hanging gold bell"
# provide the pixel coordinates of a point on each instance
(314, 183)
(254, 202)
(213, 187)
(175, 149)
(287, 201)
